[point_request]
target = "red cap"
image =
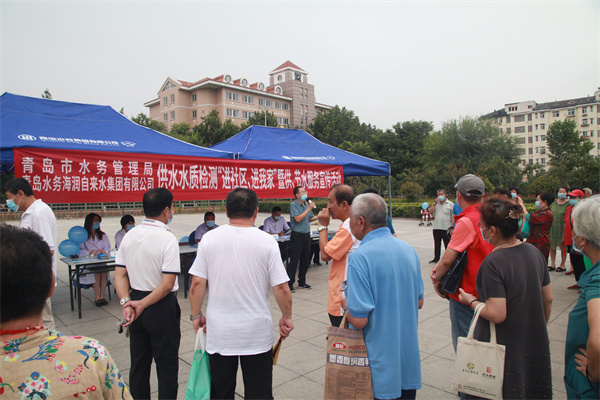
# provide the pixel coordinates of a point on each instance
(576, 193)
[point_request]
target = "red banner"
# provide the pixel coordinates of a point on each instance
(71, 176)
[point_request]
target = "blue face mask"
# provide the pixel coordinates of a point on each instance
(11, 204)
(538, 205)
(573, 202)
(484, 238)
(276, 218)
(562, 196)
(129, 227)
(170, 219)
(513, 195)
(210, 224)
(442, 198)
(96, 225)
(304, 197)
(575, 247)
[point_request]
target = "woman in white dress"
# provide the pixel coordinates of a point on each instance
(97, 243)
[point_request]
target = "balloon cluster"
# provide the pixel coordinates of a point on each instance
(70, 247)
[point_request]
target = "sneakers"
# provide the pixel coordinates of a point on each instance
(305, 286)
(573, 287)
(292, 289)
(434, 261)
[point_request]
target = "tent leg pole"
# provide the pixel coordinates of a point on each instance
(390, 193)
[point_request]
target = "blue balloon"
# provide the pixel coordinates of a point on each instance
(425, 206)
(184, 239)
(68, 248)
(78, 234)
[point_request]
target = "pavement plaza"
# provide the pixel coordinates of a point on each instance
(300, 371)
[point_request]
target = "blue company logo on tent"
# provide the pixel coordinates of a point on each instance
(294, 158)
(128, 144)
(27, 137)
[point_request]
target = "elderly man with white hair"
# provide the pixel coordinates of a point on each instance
(384, 294)
(582, 349)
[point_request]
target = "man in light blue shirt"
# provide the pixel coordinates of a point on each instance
(384, 294)
(207, 226)
(276, 224)
(301, 216)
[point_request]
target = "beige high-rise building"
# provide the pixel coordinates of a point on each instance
(288, 96)
(529, 121)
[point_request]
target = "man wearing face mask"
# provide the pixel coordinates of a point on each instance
(301, 216)
(148, 263)
(207, 226)
(38, 217)
(276, 224)
(577, 260)
(442, 212)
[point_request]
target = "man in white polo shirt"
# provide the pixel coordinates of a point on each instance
(38, 217)
(242, 266)
(148, 262)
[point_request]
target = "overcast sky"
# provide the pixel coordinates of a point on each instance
(387, 61)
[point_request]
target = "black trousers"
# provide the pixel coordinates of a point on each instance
(438, 236)
(257, 372)
(155, 335)
(335, 320)
(576, 262)
(299, 248)
(315, 253)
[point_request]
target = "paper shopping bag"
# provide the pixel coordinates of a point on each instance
(347, 372)
(198, 387)
(479, 367)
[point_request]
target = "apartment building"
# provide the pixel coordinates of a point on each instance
(288, 96)
(529, 121)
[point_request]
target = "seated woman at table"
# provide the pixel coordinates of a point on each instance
(97, 243)
(38, 362)
(127, 223)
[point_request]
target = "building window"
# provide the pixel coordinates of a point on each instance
(531, 160)
(508, 130)
(172, 114)
(508, 120)
(536, 127)
(521, 151)
(584, 110)
(165, 101)
(530, 128)
(537, 150)
(194, 114)
(584, 122)
(194, 97)
(542, 115)
(172, 98)
(265, 103)
(247, 99)
(513, 108)
(282, 106)
(283, 121)
(536, 138)
(519, 129)
(598, 121)
(247, 114)
(543, 161)
(519, 118)
(591, 133)
(536, 115)
(542, 126)
(230, 112)
(531, 150)
(555, 114)
(169, 86)
(542, 150)
(232, 96)
(530, 139)
(529, 117)
(543, 138)
(165, 116)
(521, 140)
(571, 112)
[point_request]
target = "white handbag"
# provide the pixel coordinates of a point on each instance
(479, 367)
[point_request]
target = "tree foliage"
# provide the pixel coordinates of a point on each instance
(143, 120)
(211, 130)
(46, 94)
(259, 119)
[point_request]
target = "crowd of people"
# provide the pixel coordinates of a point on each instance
(374, 279)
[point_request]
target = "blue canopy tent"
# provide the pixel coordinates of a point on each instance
(51, 124)
(278, 144)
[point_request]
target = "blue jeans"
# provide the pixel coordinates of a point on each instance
(460, 316)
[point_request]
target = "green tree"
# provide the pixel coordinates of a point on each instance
(412, 190)
(570, 160)
(143, 120)
(402, 146)
(181, 129)
(259, 119)
(46, 94)
(211, 130)
(336, 126)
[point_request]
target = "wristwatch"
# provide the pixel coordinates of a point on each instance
(319, 229)
(124, 300)
(195, 317)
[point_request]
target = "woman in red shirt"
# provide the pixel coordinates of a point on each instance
(541, 222)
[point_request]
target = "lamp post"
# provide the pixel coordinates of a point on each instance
(265, 111)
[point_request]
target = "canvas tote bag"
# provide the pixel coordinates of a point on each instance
(479, 367)
(198, 387)
(347, 372)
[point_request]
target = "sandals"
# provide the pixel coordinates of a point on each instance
(101, 302)
(551, 268)
(560, 269)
